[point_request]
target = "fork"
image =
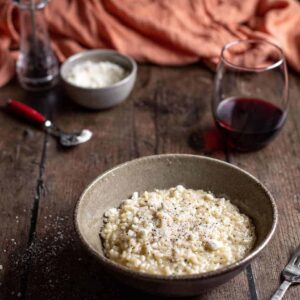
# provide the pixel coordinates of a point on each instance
(291, 274)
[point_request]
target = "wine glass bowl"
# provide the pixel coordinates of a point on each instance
(250, 98)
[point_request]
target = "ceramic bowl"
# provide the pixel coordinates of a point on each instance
(100, 98)
(163, 172)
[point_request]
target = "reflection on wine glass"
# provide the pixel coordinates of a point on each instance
(250, 99)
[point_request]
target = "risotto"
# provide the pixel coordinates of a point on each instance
(175, 232)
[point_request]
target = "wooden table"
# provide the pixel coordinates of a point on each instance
(168, 112)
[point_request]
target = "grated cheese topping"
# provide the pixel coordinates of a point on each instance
(176, 231)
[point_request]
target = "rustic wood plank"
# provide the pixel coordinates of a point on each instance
(158, 118)
(59, 261)
(186, 101)
(20, 149)
(278, 166)
(167, 107)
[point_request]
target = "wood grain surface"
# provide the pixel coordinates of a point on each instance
(168, 112)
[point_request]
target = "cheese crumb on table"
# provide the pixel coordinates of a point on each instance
(175, 232)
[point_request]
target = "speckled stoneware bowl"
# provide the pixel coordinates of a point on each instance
(163, 172)
(100, 98)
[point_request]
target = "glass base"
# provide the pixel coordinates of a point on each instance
(38, 84)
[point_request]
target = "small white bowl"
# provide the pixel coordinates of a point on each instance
(100, 98)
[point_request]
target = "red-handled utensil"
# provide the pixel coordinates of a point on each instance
(65, 139)
(25, 111)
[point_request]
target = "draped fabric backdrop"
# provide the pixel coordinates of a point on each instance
(166, 32)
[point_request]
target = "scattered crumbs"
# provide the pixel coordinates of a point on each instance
(45, 217)
(44, 252)
(17, 217)
(24, 210)
(1, 267)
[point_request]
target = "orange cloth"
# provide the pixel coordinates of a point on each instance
(167, 32)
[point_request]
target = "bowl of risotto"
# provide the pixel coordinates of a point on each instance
(175, 224)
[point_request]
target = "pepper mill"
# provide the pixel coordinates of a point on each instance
(37, 66)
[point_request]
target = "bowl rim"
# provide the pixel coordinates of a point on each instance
(192, 277)
(86, 53)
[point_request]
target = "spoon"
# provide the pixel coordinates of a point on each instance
(65, 139)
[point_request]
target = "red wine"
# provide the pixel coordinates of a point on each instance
(248, 123)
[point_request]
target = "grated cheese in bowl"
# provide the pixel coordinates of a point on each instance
(90, 74)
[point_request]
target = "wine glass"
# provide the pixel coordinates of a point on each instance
(250, 99)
